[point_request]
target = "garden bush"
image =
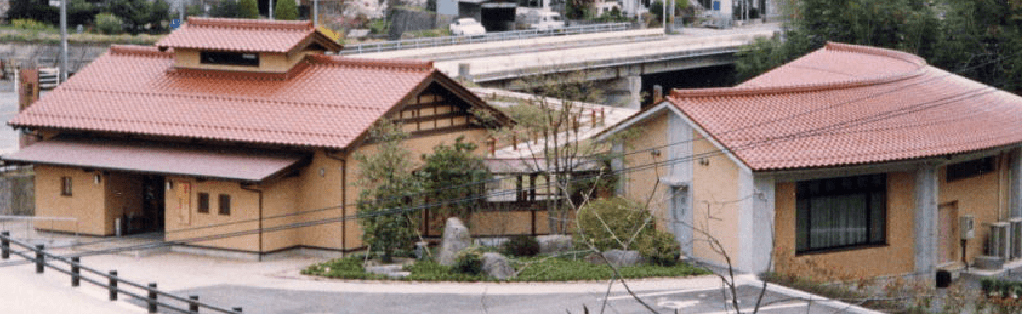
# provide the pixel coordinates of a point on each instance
(660, 249)
(609, 223)
(28, 24)
(521, 245)
(107, 23)
(469, 261)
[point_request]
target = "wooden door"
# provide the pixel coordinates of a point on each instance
(947, 233)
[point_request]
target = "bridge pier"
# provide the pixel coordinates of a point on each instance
(624, 91)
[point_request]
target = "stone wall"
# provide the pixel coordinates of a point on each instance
(404, 20)
(17, 195)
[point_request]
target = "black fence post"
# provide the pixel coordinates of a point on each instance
(75, 271)
(113, 285)
(152, 298)
(39, 262)
(193, 304)
(237, 310)
(5, 245)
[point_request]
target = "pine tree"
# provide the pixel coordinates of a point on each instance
(285, 10)
(248, 9)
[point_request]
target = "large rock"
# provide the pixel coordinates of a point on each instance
(618, 258)
(456, 238)
(554, 243)
(496, 265)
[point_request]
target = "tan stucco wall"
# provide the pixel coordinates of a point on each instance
(321, 197)
(985, 197)
(268, 62)
(895, 258)
(280, 199)
(715, 202)
(639, 184)
(244, 207)
(87, 202)
(123, 194)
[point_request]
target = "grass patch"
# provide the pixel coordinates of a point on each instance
(535, 269)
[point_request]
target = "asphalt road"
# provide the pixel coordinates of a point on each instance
(704, 301)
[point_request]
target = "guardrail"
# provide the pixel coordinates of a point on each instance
(110, 281)
(474, 39)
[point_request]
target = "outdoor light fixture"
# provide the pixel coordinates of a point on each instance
(97, 178)
(170, 185)
(655, 152)
(322, 172)
(704, 161)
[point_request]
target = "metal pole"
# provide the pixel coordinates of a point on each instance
(181, 12)
(315, 13)
(193, 304)
(271, 9)
(113, 285)
(5, 245)
(63, 41)
(75, 271)
(152, 298)
(39, 262)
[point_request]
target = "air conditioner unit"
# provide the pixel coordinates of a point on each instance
(967, 227)
(1016, 238)
(1000, 240)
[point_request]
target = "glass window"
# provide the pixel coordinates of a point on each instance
(840, 212)
(229, 58)
(225, 204)
(65, 186)
(203, 203)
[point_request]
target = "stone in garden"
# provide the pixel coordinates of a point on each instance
(455, 239)
(618, 258)
(496, 265)
(554, 243)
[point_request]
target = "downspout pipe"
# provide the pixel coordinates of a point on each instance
(260, 192)
(344, 200)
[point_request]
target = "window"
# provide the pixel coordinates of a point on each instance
(225, 204)
(203, 203)
(970, 169)
(65, 186)
(840, 212)
(229, 58)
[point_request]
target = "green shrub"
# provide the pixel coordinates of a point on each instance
(469, 261)
(622, 217)
(521, 245)
(285, 10)
(660, 249)
(28, 24)
(107, 23)
(248, 9)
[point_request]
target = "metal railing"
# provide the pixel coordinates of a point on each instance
(474, 39)
(111, 281)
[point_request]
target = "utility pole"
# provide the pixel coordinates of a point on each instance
(315, 13)
(271, 9)
(181, 13)
(63, 41)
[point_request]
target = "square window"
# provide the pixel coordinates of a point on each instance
(225, 205)
(204, 203)
(840, 213)
(65, 186)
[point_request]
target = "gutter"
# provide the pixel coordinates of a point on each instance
(260, 255)
(344, 199)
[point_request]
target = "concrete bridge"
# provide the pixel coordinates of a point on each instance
(617, 61)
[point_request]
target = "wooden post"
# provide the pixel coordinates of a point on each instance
(40, 262)
(152, 298)
(75, 271)
(113, 285)
(5, 245)
(193, 304)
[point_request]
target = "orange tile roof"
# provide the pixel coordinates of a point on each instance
(243, 35)
(846, 105)
(326, 102)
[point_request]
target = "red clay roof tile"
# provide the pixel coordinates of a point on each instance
(328, 103)
(246, 35)
(844, 105)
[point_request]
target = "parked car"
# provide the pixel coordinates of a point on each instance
(544, 20)
(467, 26)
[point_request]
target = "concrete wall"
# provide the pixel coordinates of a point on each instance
(895, 258)
(17, 195)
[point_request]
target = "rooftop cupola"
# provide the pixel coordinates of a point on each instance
(246, 45)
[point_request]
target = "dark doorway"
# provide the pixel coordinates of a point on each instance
(153, 209)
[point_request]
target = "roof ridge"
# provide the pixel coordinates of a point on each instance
(904, 56)
(796, 88)
(250, 23)
(397, 64)
(141, 51)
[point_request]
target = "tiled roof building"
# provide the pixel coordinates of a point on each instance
(229, 121)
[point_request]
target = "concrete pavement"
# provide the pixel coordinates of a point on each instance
(24, 291)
